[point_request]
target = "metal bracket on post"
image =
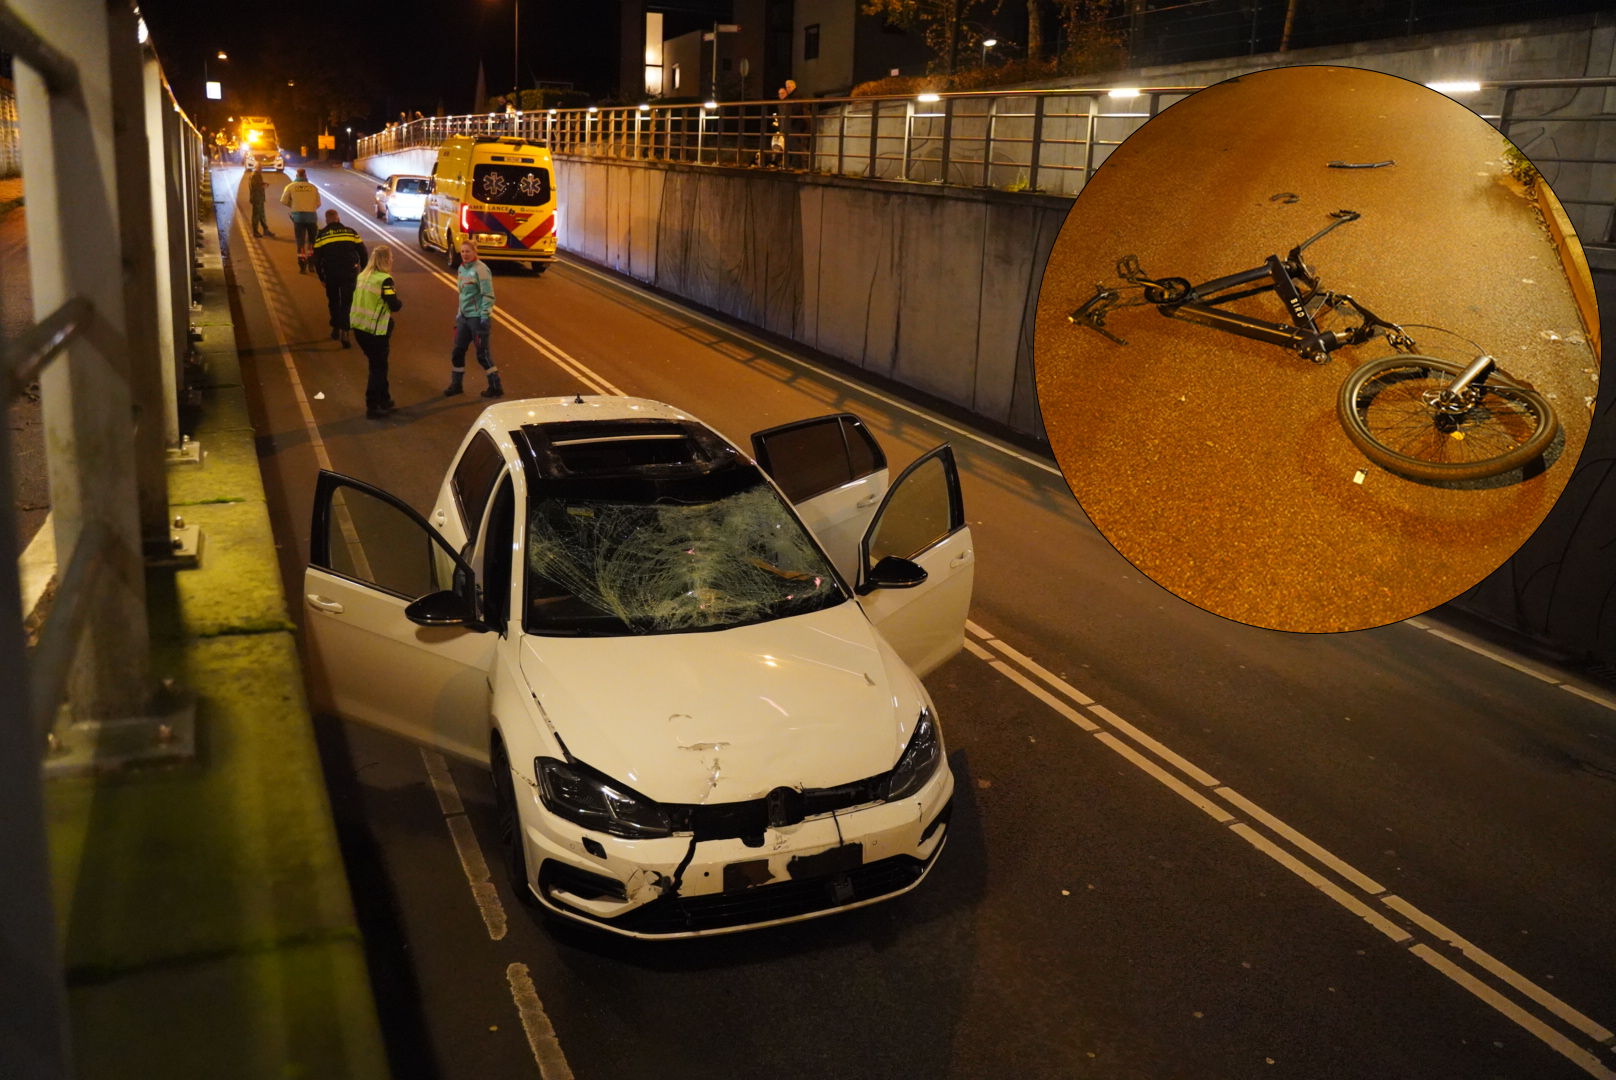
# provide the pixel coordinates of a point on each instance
(188, 452)
(165, 734)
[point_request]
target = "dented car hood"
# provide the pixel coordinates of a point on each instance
(812, 701)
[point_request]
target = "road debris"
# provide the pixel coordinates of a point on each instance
(1360, 164)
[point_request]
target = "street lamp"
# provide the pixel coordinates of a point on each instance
(987, 43)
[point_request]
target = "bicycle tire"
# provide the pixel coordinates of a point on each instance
(1382, 409)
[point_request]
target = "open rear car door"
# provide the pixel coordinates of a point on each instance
(377, 575)
(905, 547)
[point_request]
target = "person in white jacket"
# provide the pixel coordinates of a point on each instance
(304, 200)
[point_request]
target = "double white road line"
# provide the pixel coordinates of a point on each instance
(1347, 886)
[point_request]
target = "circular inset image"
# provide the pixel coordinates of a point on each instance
(1307, 353)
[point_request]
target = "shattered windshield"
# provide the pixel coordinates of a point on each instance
(616, 566)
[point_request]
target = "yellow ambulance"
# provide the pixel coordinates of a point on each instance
(498, 191)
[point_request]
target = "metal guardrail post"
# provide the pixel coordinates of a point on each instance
(875, 133)
(987, 143)
(948, 139)
(1088, 139)
(1037, 143)
(1507, 113)
(908, 138)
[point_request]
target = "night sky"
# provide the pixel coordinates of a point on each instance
(371, 60)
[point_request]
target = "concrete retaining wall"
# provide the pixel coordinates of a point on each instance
(931, 287)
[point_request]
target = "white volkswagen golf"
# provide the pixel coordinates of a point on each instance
(693, 673)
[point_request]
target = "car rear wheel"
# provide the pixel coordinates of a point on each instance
(453, 250)
(420, 236)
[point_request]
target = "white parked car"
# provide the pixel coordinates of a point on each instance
(402, 198)
(701, 715)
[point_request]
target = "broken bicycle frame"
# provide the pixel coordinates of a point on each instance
(1416, 415)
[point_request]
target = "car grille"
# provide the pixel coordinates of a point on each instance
(780, 900)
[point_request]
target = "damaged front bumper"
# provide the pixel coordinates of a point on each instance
(830, 863)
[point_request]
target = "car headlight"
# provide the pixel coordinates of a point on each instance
(919, 759)
(574, 791)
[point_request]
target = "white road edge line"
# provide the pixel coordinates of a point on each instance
(1582, 1058)
(1552, 680)
(574, 262)
(541, 1036)
(1483, 959)
(1386, 926)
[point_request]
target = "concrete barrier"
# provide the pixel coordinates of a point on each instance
(932, 287)
(415, 162)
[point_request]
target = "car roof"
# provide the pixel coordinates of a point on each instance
(510, 415)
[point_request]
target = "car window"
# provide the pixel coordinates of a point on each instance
(375, 542)
(497, 554)
(918, 514)
(411, 186)
(474, 478)
(812, 457)
(691, 559)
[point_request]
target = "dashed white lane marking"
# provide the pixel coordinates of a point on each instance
(443, 785)
(465, 842)
(1295, 865)
(540, 1035)
(1511, 662)
(1576, 1054)
(538, 342)
(482, 889)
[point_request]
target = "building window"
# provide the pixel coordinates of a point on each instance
(810, 42)
(676, 76)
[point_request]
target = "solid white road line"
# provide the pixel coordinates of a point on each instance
(1576, 1054)
(1483, 959)
(1194, 772)
(266, 286)
(573, 263)
(1321, 883)
(1509, 661)
(541, 1035)
(1273, 824)
(1288, 860)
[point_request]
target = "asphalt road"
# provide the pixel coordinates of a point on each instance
(1100, 909)
(1216, 463)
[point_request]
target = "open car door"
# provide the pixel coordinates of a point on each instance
(916, 566)
(833, 472)
(371, 557)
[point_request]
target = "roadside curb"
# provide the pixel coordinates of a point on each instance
(1574, 261)
(206, 921)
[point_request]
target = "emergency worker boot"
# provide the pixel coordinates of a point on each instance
(454, 388)
(346, 343)
(495, 389)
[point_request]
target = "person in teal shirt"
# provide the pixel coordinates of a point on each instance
(472, 322)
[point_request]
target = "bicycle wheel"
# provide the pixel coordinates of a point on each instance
(1392, 411)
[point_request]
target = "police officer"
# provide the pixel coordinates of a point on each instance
(255, 196)
(472, 322)
(303, 198)
(374, 301)
(338, 255)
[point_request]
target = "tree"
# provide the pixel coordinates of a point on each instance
(1035, 30)
(939, 21)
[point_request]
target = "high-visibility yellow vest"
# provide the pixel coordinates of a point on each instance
(369, 311)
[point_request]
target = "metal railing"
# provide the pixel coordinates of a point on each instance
(83, 104)
(1047, 141)
(1012, 140)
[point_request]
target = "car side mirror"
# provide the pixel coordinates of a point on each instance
(894, 573)
(446, 608)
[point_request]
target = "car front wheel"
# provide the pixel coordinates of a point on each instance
(510, 821)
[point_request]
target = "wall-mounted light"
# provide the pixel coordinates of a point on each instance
(644, 107)
(710, 104)
(593, 109)
(929, 98)
(1455, 87)
(1123, 92)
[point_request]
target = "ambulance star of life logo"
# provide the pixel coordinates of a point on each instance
(531, 185)
(493, 186)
